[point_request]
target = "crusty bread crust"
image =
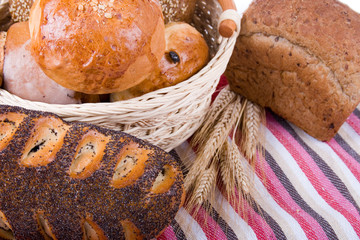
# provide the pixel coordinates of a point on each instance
(190, 54)
(97, 47)
(301, 58)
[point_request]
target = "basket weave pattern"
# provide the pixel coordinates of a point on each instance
(165, 117)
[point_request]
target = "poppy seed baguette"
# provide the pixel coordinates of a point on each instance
(62, 180)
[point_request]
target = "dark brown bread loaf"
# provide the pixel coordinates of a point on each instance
(301, 58)
(63, 180)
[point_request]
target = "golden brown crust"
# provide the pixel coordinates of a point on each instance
(17, 35)
(91, 230)
(301, 59)
(131, 232)
(186, 53)
(98, 48)
(88, 154)
(130, 165)
(9, 125)
(45, 141)
(178, 10)
(64, 202)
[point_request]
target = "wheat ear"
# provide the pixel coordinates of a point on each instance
(253, 117)
(241, 179)
(227, 172)
(236, 161)
(209, 146)
(225, 97)
(204, 187)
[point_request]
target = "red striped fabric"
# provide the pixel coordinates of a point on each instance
(321, 183)
(311, 227)
(351, 163)
(277, 188)
(354, 122)
(260, 227)
(168, 234)
(210, 227)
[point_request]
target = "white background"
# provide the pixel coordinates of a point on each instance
(242, 5)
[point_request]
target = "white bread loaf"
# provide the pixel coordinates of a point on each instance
(23, 76)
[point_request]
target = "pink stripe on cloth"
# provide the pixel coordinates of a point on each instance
(354, 122)
(168, 234)
(317, 178)
(260, 227)
(211, 228)
(310, 226)
(351, 163)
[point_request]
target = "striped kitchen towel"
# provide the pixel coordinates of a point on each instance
(303, 189)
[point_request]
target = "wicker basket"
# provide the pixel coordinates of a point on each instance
(166, 117)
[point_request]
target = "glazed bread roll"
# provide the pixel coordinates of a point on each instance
(186, 53)
(62, 180)
(178, 10)
(23, 76)
(2, 53)
(301, 58)
(97, 47)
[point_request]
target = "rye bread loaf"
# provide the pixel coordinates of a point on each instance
(301, 58)
(62, 180)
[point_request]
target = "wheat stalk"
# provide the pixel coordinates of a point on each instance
(232, 171)
(235, 159)
(224, 98)
(253, 117)
(208, 148)
(237, 184)
(205, 186)
(216, 155)
(226, 171)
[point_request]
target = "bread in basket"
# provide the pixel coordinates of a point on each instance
(165, 117)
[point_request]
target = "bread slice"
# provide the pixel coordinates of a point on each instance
(301, 58)
(63, 180)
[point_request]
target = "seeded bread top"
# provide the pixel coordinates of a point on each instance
(328, 30)
(66, 201)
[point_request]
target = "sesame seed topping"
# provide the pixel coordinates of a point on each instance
(81, 7)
